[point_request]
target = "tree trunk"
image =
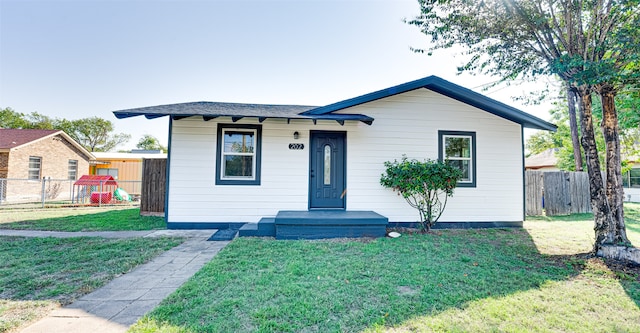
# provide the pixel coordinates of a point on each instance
(573, 125)
(615, 192)
(599, 203)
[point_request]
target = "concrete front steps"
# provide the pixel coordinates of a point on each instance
(265, 228)
(318, 224)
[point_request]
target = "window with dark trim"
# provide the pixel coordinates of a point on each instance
(35, 167)
(73, 169)
(238, 152)
(459, 149)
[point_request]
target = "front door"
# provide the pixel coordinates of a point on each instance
(327, 170)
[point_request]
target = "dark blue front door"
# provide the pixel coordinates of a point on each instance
(327, 185)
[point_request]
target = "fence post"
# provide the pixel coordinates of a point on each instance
(44, 183)
(100, 196)
(2, 185)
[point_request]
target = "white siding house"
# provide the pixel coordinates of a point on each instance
(284, 169)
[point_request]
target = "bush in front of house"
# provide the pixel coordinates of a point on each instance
(425, 185)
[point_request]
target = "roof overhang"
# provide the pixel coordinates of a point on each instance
(236, 111)
(448, 89)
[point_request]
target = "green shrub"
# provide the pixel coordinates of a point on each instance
(425, 185)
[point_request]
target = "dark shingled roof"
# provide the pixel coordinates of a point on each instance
(211, 110)
(449, 89)
(11, 137)
(218, 109)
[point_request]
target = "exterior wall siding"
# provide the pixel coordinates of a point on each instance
(129, 173)
(404, 124)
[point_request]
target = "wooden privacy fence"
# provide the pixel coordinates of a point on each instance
(154, 179)
(561, 193)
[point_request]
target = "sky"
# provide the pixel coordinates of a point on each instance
(78, 59)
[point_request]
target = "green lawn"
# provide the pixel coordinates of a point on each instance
(80, 219)
(39, 274)
(534, 279)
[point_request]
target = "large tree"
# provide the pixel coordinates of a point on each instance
(12, 119)
(95, 134)
(628, 105)
(150, 142)
(582, 42)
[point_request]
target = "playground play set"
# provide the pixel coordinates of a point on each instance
(98, 189)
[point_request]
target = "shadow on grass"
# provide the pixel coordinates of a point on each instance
(289, 286)
(628, 275)
(632, 225)
(79, 220)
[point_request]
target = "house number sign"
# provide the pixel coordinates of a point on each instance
(296, 146)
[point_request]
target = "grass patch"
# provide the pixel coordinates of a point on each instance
(38, 274)
(80, 219)
(574, 233)
(538, 278)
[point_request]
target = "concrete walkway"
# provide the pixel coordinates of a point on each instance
(200, 233)
(120, 303)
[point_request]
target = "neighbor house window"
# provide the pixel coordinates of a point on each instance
(73, 169)
(35, 167)
(108, 172)
(459, 149)
(631, 179)
(238, 154)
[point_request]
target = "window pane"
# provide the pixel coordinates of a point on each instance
(73, 169)
(108, 172)
(238, 166)
(327, 165)
(34, 162)
(625, 179)
(34, 167)
(464, 166)
(238, 142)
(634, 178)
(457, 147)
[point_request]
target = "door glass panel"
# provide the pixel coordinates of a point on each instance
(327, 164)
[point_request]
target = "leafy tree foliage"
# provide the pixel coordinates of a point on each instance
(94, 133)
(561, 140)
(425, 185)
(12, 119)
(150, 142)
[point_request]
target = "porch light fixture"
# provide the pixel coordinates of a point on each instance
(296, 135)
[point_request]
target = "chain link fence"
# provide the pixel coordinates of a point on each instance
(48, 192)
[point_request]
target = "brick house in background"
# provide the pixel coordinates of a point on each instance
(28, 155)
